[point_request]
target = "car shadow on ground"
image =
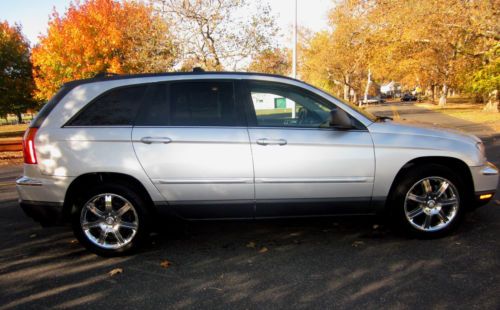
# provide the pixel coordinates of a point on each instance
(348, 262)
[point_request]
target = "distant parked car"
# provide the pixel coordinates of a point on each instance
(372, 100)
(408, 97)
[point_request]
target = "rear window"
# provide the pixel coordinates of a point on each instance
(192, 103)
(117, 107)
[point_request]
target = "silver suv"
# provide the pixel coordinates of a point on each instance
(112, 153)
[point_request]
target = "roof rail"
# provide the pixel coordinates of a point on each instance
(105, 74)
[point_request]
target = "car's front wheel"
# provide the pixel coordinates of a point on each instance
(109, 219)
(429, 201)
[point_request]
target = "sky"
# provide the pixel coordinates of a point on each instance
(33, 15)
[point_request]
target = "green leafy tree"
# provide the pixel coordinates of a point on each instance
(16, 80)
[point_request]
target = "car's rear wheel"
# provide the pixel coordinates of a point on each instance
(110, 219)
(429, 201)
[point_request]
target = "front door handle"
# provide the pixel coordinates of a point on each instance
(265, 141)
(150, 140)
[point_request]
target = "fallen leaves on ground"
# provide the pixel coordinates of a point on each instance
(165, 264)
(33, 236)
(263, 250)
(115, 272)
(357, 243)
(250, 244)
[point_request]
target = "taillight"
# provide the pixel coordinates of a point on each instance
(29, 146)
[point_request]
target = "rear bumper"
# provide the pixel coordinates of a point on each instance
(46, 213)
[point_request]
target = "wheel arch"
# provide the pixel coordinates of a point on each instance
(455, 164)
(84, 181)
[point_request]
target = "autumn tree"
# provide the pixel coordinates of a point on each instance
(101, 35)
(16, 81)
(434, 42)
(335, 59)
(274, 61)
(219, 34)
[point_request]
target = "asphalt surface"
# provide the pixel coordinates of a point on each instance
(327, 263)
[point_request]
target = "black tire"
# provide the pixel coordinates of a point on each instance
(139, 215)
(400, 206)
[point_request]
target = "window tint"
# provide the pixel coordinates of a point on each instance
(196, 103)
(207, 103)
(118, 107)
(288, 106)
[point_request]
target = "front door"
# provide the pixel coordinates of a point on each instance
(304, 166)
(192, 141)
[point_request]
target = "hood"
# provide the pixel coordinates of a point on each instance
(420, 129)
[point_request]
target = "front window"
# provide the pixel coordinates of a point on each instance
(282, 105)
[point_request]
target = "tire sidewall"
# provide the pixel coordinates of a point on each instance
(119, 189)
(414, 175)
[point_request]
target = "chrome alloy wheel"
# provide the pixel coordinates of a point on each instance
(109, 221)
(431, 204)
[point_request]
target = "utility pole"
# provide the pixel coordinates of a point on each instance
(294, 60)
(294, 49)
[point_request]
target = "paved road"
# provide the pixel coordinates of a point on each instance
(343, 263)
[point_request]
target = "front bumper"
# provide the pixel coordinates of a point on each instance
(485, 182)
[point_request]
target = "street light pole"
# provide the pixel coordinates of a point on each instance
(294, 60)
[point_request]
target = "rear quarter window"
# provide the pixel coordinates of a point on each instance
(117, 107)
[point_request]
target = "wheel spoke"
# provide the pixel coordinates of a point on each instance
(102, 236)
(448, 202)
(92, 208)
(123, 209)
(442, 216)
(416, 198)
(414, 213)
(128, 225)
(118, 237)
(442, 189)
(89, 225)
(427, 222)
(427, 186)
(108, 203)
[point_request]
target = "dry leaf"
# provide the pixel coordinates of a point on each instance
(357, 243)
(73, 241)
(251, 244)
(375, 226)
(115, 271)
(33, 236)
(165, 264)
(263, 250)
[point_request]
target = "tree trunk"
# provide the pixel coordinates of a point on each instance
(368, 83)
(433, 90)
(355, 97)
(492, 105)
(19, 118)
(347, 89)
(444, 95)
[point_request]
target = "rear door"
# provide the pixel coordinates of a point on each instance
(192, 141)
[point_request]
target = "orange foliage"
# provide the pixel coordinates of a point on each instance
(98, 36)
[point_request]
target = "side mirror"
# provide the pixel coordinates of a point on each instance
(340, 119)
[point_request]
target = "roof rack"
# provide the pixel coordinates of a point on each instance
(198, 69)
(105, 74)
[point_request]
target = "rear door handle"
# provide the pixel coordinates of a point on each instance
(265, 141)
(150, 140)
